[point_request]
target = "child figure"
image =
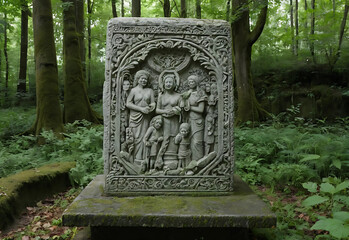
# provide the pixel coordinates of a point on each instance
(183, 140)
(152, 139)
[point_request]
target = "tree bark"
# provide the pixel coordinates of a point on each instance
(297, 28)
(136, 8)
(183, 8)
(306, 15)
(48, 110)
(21, 86)
(341, 32)
(80, 29)
(312, 31)
(6, 56)
(76, 103)
(167, 8)
(122, 9)
(248, 107)
(227, 14)
(292, 28)
(114, 8)
(89, 39)
(198, 9)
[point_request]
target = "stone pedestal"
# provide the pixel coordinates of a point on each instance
(169, 217)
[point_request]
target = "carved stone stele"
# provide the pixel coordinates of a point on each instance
(168, 107)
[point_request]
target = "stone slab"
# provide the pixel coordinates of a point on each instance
(241, 209)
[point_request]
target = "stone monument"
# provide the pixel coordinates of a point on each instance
(168, 107)
(168, 130)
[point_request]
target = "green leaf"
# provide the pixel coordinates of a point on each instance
(310, 186)
(314, 200)
(328, 188)
(309, 157)
(344, 216)
(336, 227)
(342, 186)
(337, 163)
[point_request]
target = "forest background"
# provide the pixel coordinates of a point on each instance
(292, 91)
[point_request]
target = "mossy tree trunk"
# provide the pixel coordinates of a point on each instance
(48, 110)
(248, 108)
(6, 56)
(89, 39)
(183, 8)
(198, 9)
(114, 8)
(21, 86)
(167, 8)
(136, 8)
(80, 29)
(76, 103)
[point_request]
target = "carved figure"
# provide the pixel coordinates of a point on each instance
(194, 105)
(168, 107)
(152, 139)
(141, 103)
(210, 120)
(183, 140)
(128, 145)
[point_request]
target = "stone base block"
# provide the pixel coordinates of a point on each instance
(165, 217)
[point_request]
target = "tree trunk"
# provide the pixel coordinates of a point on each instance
(312, 31)
(80, 29)
(306, 15)
(297, 28)
(248, 107)
(136, 8)
(21, 86)
(48, 110)
(89, 39)
(114, 8)
(227, 15)
(122, 9)
(183, 8)
(292, 28)
(167, 8)
(6, 56)
(341, 32)
(198, 9)
(76, 103)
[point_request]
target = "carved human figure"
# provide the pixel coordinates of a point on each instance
(152, 139)
(124, 111)
(168, 107)
(128, 145)
(183, 140)
(141, 103)
(210, 120)
(194, 105)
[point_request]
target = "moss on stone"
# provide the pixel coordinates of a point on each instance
(24, 188)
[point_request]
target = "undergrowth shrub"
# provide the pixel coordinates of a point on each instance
(291, 155)
(83, 144)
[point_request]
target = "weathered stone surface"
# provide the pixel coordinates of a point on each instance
(25, 188)
(168, 106)
(242, 209)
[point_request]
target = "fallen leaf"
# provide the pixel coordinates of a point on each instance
(25, 238)
(46, 225)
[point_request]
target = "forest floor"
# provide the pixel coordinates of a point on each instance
(43, 221)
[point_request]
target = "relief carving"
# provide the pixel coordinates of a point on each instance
(172, 131)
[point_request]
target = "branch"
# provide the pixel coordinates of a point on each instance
(258, 29)
(175, 5)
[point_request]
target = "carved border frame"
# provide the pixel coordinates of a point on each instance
(129, 40)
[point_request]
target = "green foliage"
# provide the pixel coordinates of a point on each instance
(280, 154)
(83, 144)
(332, 196)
